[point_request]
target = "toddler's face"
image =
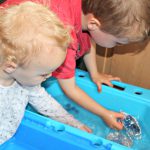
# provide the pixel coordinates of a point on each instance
(106, 40)
(40, 67)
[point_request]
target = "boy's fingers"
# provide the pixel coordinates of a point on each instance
(120, 115)
(119, 126)
(99, 88)
(110, 76)
(109, 83)
(116, 78)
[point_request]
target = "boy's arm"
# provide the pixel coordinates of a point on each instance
(90, 62)
(80, 97)
(48, 106)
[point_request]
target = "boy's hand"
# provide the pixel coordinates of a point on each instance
(98, 79)
(111, 118)
(85, 128)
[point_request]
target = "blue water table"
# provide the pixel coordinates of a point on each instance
(37, 132)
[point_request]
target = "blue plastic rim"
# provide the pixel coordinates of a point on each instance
(41, 133)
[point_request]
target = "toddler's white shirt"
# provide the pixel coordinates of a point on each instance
(13, 101)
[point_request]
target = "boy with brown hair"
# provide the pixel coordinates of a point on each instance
(107, 23)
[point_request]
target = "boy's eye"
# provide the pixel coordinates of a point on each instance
(119, 44)
(44, 75)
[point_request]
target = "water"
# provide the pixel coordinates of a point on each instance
(98, 126)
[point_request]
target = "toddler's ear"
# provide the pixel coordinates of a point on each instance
(93, 24)
(9, 67)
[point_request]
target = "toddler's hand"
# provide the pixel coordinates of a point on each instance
(111, 118)
(98, 79)
(85, 128)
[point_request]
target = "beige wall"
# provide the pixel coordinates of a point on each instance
(122, 61)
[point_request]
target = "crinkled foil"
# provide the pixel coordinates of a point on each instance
(130, 132)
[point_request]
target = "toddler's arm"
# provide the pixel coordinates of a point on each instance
(48, 106)
(13, 101)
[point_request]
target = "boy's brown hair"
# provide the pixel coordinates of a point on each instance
(121, 18)
(26, 28)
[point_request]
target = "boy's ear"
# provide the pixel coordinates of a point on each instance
(93, 24)
(9, 67)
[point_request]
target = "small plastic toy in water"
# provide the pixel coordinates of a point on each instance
(130, 132)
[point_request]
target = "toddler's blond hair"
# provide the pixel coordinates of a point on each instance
(24, 28)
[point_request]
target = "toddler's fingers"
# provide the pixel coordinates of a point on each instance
(87, 129)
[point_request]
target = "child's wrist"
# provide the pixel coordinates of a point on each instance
(103, 113)
(93, 74)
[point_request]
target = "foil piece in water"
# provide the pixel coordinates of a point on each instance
(120, 138)
(130, 132)
(131, 126)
